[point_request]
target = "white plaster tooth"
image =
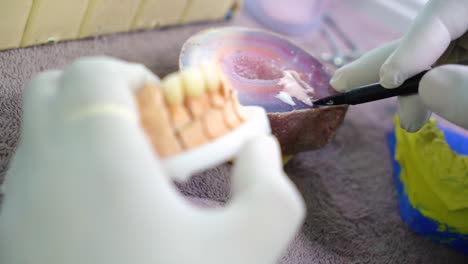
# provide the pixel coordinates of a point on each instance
(212, 75)
(193, 81)
(173, 89)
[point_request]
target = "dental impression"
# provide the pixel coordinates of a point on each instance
(194, 120)
(432, 183)
(269, 71)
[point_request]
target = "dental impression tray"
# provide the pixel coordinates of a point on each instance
(194, 120)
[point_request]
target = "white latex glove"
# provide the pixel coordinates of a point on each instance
(436, 37)
(86, 187)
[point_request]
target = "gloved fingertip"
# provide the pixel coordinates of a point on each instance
(411, 128)
(433, 89)
(267, 144)
(260, 150)
(259, 158)
(338, 82)
(443, 90)
(391, 76)
(412, 112)
(414, 124)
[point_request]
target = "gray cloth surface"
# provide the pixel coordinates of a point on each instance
(351, 199)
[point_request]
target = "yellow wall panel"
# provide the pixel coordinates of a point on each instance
(156, 13)
(31, 22)
(202, 10)
(108, 16)
(52, 20)
(13, 17)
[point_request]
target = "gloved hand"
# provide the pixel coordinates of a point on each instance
(86, 187)
(437, 36)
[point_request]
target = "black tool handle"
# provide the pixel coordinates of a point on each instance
(376, 91)
(372, 92)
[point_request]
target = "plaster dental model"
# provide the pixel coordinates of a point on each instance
(88, 182)
(273, 73)
(194, 118)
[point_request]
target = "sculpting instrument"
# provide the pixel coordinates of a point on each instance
(372, 92)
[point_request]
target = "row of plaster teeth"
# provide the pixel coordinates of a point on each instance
(192, 82)
(189, 108)
(155, 119)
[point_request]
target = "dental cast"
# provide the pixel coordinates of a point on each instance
(93, 190)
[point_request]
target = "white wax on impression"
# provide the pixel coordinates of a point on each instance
(294, 86)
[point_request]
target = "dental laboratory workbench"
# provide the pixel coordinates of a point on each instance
(348, 187)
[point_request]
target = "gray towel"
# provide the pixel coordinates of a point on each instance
(348, 187)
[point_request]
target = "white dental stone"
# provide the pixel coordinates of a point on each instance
(294, 86)
(285, 97)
